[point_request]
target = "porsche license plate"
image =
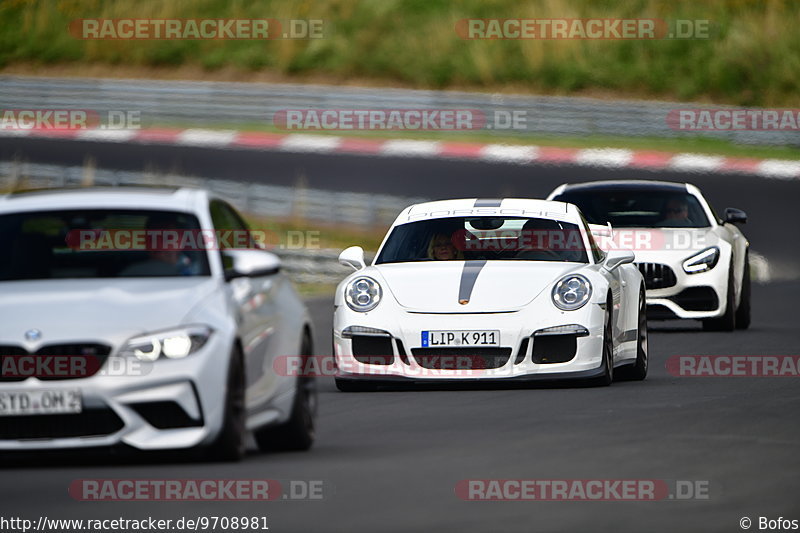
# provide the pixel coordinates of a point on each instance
(40, 402)
(445, 338)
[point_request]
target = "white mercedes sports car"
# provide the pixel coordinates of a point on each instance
(144, 318)
(695, 264)
(471, 289)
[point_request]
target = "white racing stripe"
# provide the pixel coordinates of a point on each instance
(404, 147)
(604, 157)
(198, 137)
(775, 168)
(509, 153)
(696, 162)
(300, 142)
(107, 135)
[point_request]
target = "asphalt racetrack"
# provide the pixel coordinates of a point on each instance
(771, 204)
(391, 460)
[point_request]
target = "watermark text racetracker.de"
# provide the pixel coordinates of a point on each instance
(177, 240)
(730, 119)
(69, 119)
(399, 119)
(196, 29)
(194, 490)
(734, 366)
(68, 366)
(589, 28)
(563, 240)
(549, 490)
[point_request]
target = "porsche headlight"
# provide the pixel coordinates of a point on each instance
(363, 294)
(572, 292)
(172, 344)
(705, 260)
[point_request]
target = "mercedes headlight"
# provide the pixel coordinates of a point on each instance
(172, 344)
(705, 260)
(363, 294)
(572, 292)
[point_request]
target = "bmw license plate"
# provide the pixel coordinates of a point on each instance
(41, 402)
(444, 338)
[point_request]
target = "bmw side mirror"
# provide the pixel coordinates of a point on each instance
(615, 258)
(353, 257)
(249, 263)
(735, 216)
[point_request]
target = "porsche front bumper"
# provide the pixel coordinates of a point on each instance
(523, 352)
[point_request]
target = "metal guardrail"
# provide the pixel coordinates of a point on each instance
(303, 265)
(336, 207)
(210, 103)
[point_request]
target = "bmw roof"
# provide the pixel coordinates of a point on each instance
(158, 198)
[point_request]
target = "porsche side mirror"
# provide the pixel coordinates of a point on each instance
(353, 257)
(735, 216)
(615, 258)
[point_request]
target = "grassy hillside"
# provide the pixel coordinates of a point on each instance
(752, 57)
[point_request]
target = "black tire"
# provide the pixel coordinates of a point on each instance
(353, 385)
(726, 322)
(608, 352)
(230, 444)
(297, 433)
(638, 370)
(743, 311)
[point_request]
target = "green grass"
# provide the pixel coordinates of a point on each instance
(751, 58)
(315, 290)
(320, 235)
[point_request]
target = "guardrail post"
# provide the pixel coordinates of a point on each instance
(88, 172)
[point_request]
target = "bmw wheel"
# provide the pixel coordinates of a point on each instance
(297, 433)
(231, 445)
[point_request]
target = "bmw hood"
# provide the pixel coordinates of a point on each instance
(487, 286)
(103, 310)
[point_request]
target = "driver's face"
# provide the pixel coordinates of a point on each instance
(676, 210)
(167, 256)
(443, 249)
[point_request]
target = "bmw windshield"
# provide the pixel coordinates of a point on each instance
(101, 243)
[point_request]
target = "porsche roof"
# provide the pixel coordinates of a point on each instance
(524, 207)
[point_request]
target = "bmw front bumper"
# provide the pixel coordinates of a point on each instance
(166, 404)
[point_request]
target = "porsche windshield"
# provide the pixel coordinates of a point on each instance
(101, 243)
(484, 238)
(638, 208)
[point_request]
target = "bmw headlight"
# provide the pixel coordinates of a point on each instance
(363, 294)
(172, 344)
(705, 260)
(572, 292)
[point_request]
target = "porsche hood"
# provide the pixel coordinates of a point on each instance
(470, 286)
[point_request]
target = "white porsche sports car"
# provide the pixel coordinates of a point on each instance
(471, 289)
(131, 318)
(695, 264)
